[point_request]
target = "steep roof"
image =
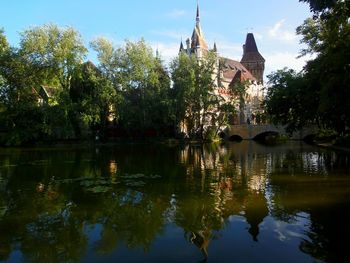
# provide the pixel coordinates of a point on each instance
(232, 67)
(47, 91)
(181, 46)
(250, 50)
(197, 39)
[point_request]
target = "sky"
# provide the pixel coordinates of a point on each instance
(162, 23)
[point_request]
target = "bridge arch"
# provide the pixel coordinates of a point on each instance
(249, 132)
(235, 138)
(265, 135)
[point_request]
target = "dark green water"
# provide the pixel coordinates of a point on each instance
(241, 202)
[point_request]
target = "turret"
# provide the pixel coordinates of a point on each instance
(181, 46)
(215, 49)
(198, 42)
(252, 59)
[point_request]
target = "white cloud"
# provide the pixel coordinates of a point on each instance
(229, 49)
(276, 28)
(176, 13)
(278, 32)
(226, 47)
(168, 51)
(258, 36)
(279, 60)
(173, 34)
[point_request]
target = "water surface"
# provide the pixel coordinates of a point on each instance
(238, 202)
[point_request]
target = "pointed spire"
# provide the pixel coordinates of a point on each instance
(215, 49)
(157, 53)
(181, 46)
(250, 44)
(197, 39)
(252, 59)
(250, 50)
(198, 16)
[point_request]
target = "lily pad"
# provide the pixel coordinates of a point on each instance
(99, 189)
(135, 183)
(133, 176)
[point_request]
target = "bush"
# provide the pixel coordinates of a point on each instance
(343, 141)
(325, 135)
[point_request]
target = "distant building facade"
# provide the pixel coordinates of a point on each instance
(248, 71)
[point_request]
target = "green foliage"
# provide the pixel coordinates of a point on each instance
(327, 35)
(321, 93)
(129, 85)
(141, 80)
(239, 90)
(326, 135)
(145, 86)
(47, 55)
(108, 59)
(4, 45)
(93, 97)
(24, 121)
(319, 5)
(289, 100)
(53, 52)
(195, 101)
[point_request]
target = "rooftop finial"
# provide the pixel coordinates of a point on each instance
(198, 16)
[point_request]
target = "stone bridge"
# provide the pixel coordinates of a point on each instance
(250, 132)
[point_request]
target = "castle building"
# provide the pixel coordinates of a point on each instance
(250, 71)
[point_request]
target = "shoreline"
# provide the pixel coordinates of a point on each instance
(333, 147)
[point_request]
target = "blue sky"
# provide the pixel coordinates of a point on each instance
(163, 22)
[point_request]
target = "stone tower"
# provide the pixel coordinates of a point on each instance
(252, 59)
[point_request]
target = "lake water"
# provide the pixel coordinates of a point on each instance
(237, 202)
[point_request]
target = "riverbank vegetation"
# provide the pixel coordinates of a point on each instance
(320, 93)
(49, 91)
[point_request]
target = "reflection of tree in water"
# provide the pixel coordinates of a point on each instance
(45, 214)
(328, 234)
(318, 186)
(227, 188)
(49, 201)
(132, 218)
(92, 188)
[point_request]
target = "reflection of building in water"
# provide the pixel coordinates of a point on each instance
(201, 239)
(113, 167)
(235, 181)
(255, 212)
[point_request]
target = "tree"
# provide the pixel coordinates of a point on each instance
(142, 81)
(108, 59)
(239, 90)
(320, 94)
(93, 96)
(289, 101)
(53, 52)
(183, 77)
(19, 112)
(319, 5)
(4, 45)
(327, 35)
(47, 55)
(196, 104)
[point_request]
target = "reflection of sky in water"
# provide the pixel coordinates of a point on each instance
(246, 201)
